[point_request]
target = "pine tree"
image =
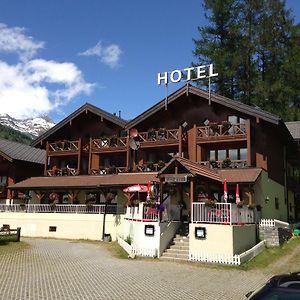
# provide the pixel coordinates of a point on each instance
(255, 47)
(217, 43)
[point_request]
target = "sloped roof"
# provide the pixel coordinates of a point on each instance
(236, 105)
(243, 175)
(247, 175)
(86, 107)
(192, 167)
(17, 151)
(294, 129)
(85, 181)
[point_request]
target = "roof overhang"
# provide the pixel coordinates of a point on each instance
(84, 182)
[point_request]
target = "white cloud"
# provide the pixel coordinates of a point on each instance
(13, 40)
(34, 87)
(109, 55)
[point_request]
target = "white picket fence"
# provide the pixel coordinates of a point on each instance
(273, 223)
(227, 259)
(219, 258)
(139, 251)
(249, 254)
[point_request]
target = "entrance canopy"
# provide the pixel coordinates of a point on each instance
(180, 165)
(84, 182)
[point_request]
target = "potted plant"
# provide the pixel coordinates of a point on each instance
(226, 163)
(214, 127)
(162, 133)
(210, 203)
(152, 134)
(113, 140)
(150, 166)
(112, 169)
(225, 127)
(160, 164)
(213, 163)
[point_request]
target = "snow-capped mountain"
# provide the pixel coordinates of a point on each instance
(32, 127)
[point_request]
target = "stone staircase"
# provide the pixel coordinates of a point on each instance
(178, 249)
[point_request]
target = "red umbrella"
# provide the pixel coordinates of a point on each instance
(148, 190)
(237, 194)
(225, 191)
(136, 188)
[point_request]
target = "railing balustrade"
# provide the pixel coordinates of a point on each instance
(218, 164)
(64, 146)
(141, 213)
(110, 142)
(62, 172)
(167, 135)
(218, 130)
(62, 208)
(222, 213)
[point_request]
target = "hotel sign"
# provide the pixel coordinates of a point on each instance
(201, 72)
(176, 178)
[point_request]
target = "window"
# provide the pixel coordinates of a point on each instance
(221, 154)
(243, 154)
(233, 154)
(276, 203)
(233, 119)
(212, 155)
(3, 180)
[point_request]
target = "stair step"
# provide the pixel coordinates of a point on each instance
(181, 242)
(175, 257)
(179, 247)
(177, 251)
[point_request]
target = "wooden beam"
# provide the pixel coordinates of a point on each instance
(79, 156)
(192, 191)
(180, 141)
(90, 156)
(248, 131)
(127, 152)
(46, 159)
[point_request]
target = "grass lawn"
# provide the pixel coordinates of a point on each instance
(281, 258)
(6, 247)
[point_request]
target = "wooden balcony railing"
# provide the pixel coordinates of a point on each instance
(162, 135)
(110, 143)
(62, 172)
(221, 131)
(108, 170)
(64, 146)
(221, 164)
(150, 167)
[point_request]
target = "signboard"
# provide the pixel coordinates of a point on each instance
(200, 72)
(176, 178)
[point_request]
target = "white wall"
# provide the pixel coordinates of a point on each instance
(68, 226)
(223, 239)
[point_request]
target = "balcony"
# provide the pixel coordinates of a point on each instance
(221, 132)
(108, 170)
(141, 213)
(110, 144)
(152, 137)
(63, 208)
(62, 172)
(222, 213)
(224, 164)
(63, 147)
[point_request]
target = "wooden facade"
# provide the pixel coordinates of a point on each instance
(224, 134)
(227, 134)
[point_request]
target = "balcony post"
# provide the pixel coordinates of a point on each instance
(90, 156)
(248, 143)
(46, 159)
(180, 141)
(127, 153)
(79, 156)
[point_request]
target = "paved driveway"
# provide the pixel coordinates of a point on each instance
(59, 269)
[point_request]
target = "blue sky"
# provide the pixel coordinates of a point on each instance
(56, 55)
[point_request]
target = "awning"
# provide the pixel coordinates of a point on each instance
(84, 182)
(242, 175)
